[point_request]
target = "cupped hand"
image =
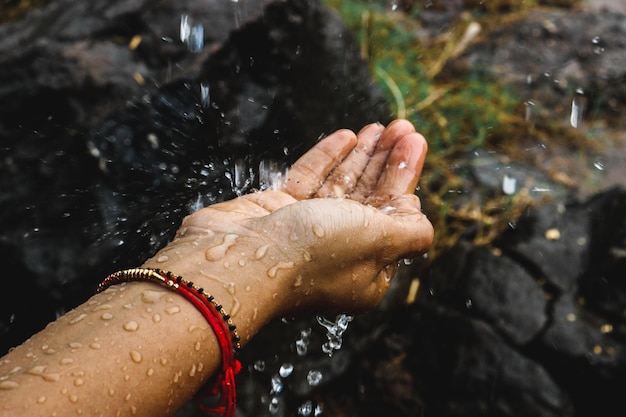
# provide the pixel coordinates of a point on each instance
(331, 237)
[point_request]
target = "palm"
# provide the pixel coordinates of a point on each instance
(334, 191)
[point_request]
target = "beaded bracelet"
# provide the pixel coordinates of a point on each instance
(221, 323)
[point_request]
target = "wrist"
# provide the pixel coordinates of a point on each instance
(243, 274)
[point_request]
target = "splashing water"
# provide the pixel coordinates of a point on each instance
(578, 107)
(334, 332)
(302, 343)
(191, 35)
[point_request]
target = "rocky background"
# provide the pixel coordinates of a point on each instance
(112, 128)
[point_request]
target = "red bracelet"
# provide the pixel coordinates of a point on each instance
(218, 319)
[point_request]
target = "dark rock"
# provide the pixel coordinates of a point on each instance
(552, 56)
(533, 326)
(105, 148)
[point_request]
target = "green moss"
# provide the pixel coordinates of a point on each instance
(455, 114)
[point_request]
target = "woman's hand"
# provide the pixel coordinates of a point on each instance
(330, 238)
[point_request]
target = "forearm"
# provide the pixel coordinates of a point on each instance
(135, 349)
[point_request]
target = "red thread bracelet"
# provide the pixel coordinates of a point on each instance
(220, 322)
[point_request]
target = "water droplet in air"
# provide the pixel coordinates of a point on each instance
(599, 165)
(276, 384)
(302, 343)
(259, 366)
(314, 378)
(205, 98)
(509, 185)
(273, 406)
(285, 370)
(305, 409)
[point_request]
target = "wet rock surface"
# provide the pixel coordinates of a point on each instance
(94, 128)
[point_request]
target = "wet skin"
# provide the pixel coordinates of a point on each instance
(328, 240)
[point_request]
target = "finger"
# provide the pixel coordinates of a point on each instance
(343, 179)
(403, 168)
(378, 162)
(308, 173)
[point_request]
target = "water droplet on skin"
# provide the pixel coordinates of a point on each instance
(172, 310)
(298, 281)
(162, 258)
(75, 345)
(41, 400)
(192, 371)
(307, 256)
(106, 316)
(37, 370)
(78, 382)
(163, 361)
(136, 356)
(77, 319)
(151, 296)
(133, 410)
(131, 326)
(156, 318)
(73, 398)
(126, 377)
(197, 346)
(219, 251)
(261, 251)
(8, 385)
(128, 306)
(102, 307)
(150, 372)
(66, 361)
(95, 346)
(176, 378)
(318, 230)
(280, 265)
(111, 392)
(242, 262)
(127, 397)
